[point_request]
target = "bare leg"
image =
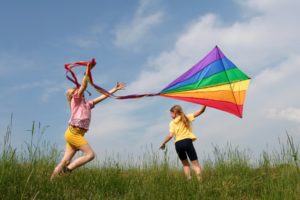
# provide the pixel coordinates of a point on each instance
(69, 153)
(186, 168)
(87, 157)
(197, 168)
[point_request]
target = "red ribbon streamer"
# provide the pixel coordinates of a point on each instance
(74, 80)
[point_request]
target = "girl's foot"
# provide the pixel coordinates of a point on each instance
(54, 174)
(66, 170)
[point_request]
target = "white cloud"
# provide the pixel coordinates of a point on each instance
(129, 34)
(112, 117)
(290, 114)
(112, 121)
(270, 6)
(275, 86)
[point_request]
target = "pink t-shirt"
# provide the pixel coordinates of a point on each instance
(80, 112)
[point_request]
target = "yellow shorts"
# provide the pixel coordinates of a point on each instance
(75, 137)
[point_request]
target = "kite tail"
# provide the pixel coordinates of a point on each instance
(74, 79)
(136, 96)
(69, 68)
(101, 90)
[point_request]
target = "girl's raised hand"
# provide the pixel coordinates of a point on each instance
(120, 86)
(91, 65)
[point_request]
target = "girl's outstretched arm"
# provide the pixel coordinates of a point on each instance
(168, 138)
(119, 86)
(199, 112)
(84, 81)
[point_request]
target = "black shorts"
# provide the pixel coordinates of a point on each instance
(186, 148)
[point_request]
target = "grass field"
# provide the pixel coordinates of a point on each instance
(229, 175)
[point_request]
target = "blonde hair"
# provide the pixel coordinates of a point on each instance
(179, 112)
(69, 94)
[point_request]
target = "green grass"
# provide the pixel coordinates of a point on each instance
(228, 175)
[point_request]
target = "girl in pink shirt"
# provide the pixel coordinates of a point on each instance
(78, 125)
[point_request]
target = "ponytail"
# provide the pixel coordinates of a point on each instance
(179, 112)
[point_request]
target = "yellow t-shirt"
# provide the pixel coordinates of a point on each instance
(178, 128)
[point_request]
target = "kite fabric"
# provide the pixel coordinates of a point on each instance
(214, 81)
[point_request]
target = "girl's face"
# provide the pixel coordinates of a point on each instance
(173, 114)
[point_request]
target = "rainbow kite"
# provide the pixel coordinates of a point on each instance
(214, 81)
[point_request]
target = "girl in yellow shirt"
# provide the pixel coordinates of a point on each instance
(180, 127)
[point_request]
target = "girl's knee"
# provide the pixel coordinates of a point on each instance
(185, 163)
(195, 163)
(91, 155)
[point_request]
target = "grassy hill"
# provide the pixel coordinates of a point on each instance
(229, 175)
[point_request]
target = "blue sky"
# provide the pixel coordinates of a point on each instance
(147, 44)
